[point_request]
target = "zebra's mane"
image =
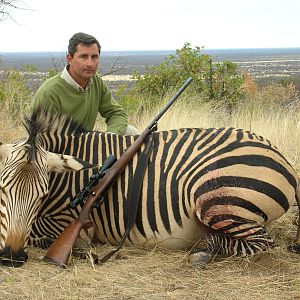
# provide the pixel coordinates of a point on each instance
(41, 121)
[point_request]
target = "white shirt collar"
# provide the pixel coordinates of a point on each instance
(68, 78)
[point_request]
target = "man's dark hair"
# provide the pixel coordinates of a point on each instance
(81, 38)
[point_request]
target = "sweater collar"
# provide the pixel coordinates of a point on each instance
(68, 78)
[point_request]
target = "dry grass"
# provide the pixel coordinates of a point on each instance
(160, 274)
(10, 130)
(156, 274)
(280, 126)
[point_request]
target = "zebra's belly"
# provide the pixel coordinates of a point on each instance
(180, 237)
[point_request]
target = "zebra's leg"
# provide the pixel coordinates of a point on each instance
(199, 257)
(79, 251)
(219, 244)
(295, 246)
(41, 242)
(226, 245)
(45, 230)
(82, 248)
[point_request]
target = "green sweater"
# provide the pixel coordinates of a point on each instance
(83, 106)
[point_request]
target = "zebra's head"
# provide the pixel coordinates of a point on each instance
(24, 183)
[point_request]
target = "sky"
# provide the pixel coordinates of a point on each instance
(122, 25)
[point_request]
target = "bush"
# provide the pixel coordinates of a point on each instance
(129, 99)
(218, 81)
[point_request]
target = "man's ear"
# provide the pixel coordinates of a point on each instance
(61, 163)
(69, 58)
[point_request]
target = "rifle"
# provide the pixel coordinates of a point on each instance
(61, 248)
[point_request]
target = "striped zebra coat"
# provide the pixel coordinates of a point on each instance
(231, 181)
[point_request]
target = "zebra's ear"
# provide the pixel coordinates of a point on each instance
(5, 150)
(61, 163)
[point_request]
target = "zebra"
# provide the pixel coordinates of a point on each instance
(24, 185)
(220, 185)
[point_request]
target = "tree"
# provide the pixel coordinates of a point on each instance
(219, 81)
(6, 6)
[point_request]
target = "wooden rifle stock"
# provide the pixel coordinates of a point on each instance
(60, 250)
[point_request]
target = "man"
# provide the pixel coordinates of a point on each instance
(79, 92)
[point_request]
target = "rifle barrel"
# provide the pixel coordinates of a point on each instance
(60, 250)
(171, 101)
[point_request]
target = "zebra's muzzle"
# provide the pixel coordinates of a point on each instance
(9, 258)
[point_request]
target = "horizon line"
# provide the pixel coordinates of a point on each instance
(154, 50)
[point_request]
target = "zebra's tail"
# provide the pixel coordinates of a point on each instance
(295, 246)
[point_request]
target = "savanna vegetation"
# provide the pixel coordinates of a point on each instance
(218, 96)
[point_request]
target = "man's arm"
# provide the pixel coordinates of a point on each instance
(115, 116)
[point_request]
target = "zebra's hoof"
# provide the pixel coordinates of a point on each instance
(294, 247)
(199, 259)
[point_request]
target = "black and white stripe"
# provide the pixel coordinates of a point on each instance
(234, 181)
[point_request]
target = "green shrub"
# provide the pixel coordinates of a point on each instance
(128, 98)
(218, 81)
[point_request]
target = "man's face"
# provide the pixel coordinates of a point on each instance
(84, 63)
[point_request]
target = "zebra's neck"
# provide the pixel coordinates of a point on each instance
(90, 146)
